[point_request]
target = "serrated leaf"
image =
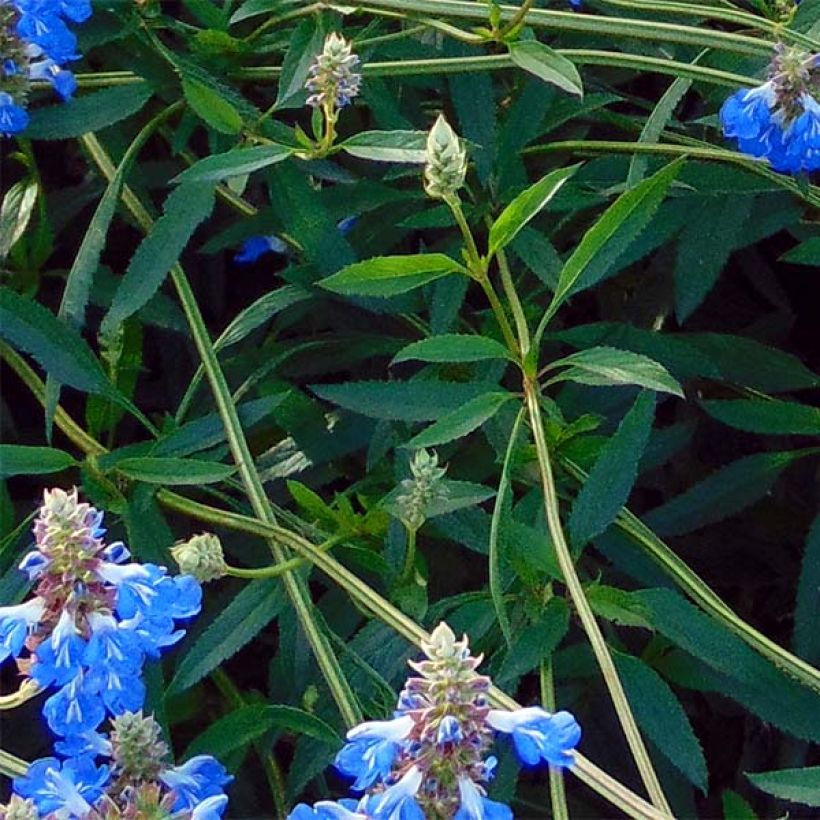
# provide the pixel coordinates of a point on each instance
(661, 717)
(456, 496)
(305, 43)
(462, 421)
(796, 785)
(212, 107)
(250, 611)
(768, 417)
(525, 207)
(63, 354)
(184, 209)
(535, 642)
(722, 494)
(624, 220)
(613, 475)
(238, 162)
(174, 471)
(18, 459)
(15, 213)
(608, 365)
(453, 347)
(617, 605)
(388, 146)
(390, 275)
(257, 313)
(546, 64)
(242, 726)
(88, 112)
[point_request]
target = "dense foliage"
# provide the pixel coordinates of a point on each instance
(390, 323)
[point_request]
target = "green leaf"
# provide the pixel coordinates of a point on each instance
(722, 494)
(17, 459)
(184, 209)
(548, 65)
(768, 417)
(806, 253)
(388, 146)
(305, 43)
(252, 8)
(250, 611)
(453, 347)
(456, 496)
(257, 313)
(234, 163)
(535, 642)
(796, 785)
(390, 275)
(735, 807)
(661, 717)
(248, 723)
(617, 605)
(608, 365)
(212, 107)
(174, 471)
(15, 213)
(63, 354)
(613, 475)
(807, 610)
(624, 220)
(88, 112)
(525, 207)
(461, 421)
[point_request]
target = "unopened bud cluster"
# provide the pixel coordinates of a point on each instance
(446, 164)
(417, 493)
(431, 760)
(333, 79)
(201, 556)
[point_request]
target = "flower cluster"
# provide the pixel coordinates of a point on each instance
(417, 493)
(432, 759)
(333, 79)
(93, 619)
(446, 164)
(87, 630)
(35, 44)
(780, 119)
(135, 782)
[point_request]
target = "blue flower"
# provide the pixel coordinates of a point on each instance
(804, 142)
(397, 802)
(74, 709)
(78, 11)
(576, 4)
(90, 743)
(13, 118)
(68, 789)
(474, 806)
(538, 735)
(195, 780)
(59, 657)
(210, 808)
(61, 79)
(257, 246)
(449, 731)
(748, 112)
(326, 810)
(16, 622)
(373, 746)
(40, 23)
(347, 224)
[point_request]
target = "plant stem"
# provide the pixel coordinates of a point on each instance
(558, 797)
(576, 591)
(296, 589)
(280, 569)
(515, 304)
(409, 555)
(11, 765)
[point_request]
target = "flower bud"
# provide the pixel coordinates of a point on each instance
(200, 556)
(446, 164)
(19, 809)
(418, 492)
(332, 78)
(138, 749)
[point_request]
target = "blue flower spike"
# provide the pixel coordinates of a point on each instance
(432, 759)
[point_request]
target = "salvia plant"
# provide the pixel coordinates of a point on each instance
(369, 327)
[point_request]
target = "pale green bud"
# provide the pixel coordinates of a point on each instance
(19, 809)
(446, 164)
(201, 556)
(137, 747)
(421, 490)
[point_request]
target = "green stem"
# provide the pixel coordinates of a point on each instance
(280, 569)
(409, 556)
(554, 21)
(810, 193)
(558, 796)
(296, 589)
(516, 307)
(476, 265)
(576, 591)
(493, 556)
(11, 765)
(517, 19)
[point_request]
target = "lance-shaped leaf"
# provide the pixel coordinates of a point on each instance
(234, 163)
(388, 146)
(796, 785)
(174, 471)
(546, 64)
(390, 275)
(453, 347)
(462, 421)
(18, 459)
(526, 206)
(608, 365)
